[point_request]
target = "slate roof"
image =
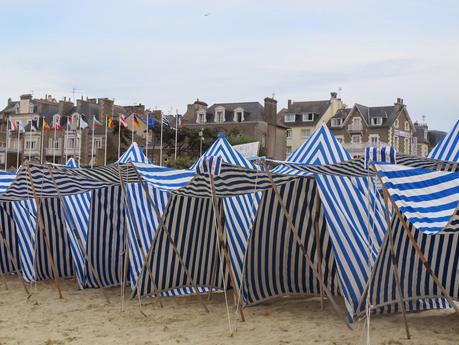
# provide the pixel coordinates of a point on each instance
(253, 111)
(387, 113)
(300, 108)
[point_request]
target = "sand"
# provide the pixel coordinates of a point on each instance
(85, 317)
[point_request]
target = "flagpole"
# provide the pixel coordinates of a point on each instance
(132, 124)
(30, 142)
(161, 143)
(17, 153)
(176, 134)
(146, 138)
(7, 142)
(119, 135)
(92, 146)
(42, 140)
(106, 129)
(54, 144)
(66, 135)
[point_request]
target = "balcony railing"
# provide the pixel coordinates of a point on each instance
(53, 152)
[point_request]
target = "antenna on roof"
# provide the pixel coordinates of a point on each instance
(273, 95)
(340, 90)
(424, 119)
(74, 90)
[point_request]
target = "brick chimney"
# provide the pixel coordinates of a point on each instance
(333, 95)
(289, 103)
(270, 110)
(399, 104)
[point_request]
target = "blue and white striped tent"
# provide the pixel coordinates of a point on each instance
(133, 154)
(9, 249)
(428, 201)
(72, 163)
(448, 148)
(320, 148)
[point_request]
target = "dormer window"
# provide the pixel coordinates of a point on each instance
(308, 117)
(219, 115)
(376, 121)
(289, 118)
(338, 122)
(201, 117)
(238, 115)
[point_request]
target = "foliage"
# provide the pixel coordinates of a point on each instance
(183, 162)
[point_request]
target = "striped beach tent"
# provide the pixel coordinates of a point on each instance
(320, 148)
(425, 233)
(72, 163)
(9, 249)
(448, 148)
(133, 154)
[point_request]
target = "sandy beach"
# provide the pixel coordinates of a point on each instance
(85, 317)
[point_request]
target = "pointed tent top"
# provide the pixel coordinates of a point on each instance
(321, 147)
(133, 154)
(72, 163)
(222, 148)
(448, 148)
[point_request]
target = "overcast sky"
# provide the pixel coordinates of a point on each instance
(166, 54)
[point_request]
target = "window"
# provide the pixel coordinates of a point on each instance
(407, 126)
(52, 143)
(356, 139)
(396, 123)
(305, 133)
(238, 115)
(407, 145)
(339, 138)
(336, 122)
(289, 150)
(70, 143)
(396, 143)
(289, 133)
(201, 117)
(97, 143)
(376, 121)
(308, 117)
(374, 139)
(289, 118)
(220, 116)
(31, 144)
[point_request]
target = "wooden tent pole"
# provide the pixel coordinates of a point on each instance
(131, 219)
(416, 246)
(220, 230)
(80, 243)
(401, 300)
(319, 250)
(162, 226)
(13, 261)
(42, 228)
(293, 228)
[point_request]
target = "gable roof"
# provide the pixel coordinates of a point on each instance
(133, 154)
(222, 148)
(321, 147)
(253, 111)
(448, 148)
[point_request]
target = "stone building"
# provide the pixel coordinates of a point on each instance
(249, 118)
(362, 126)
(57, 146)
(302, 118)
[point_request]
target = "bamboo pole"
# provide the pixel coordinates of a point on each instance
(416, 246)
(131, 218)
(42, 228)
(223, 244)
(395, 267)
(163, 227)
(293, 228)
(80, 244)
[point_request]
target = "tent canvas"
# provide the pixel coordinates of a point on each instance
(448, 148)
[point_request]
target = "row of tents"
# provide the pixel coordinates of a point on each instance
(380, 232)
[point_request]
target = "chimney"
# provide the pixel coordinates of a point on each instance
(333, 95)
(399, 101)
(399, 104)
(289, 103)
(270, 110)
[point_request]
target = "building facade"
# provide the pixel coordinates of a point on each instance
(302, 118)
(248, 118)
(362, 126)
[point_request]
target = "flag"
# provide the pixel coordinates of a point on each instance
(136, 121)
(46, 126)
(123, 123)
(57, 125)
(33, 125)
(69, 122)
(21, 127)
(13, 126)
(110, 123)
(151, 121)
(96, 124)
(165, 121)
(83, 124)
